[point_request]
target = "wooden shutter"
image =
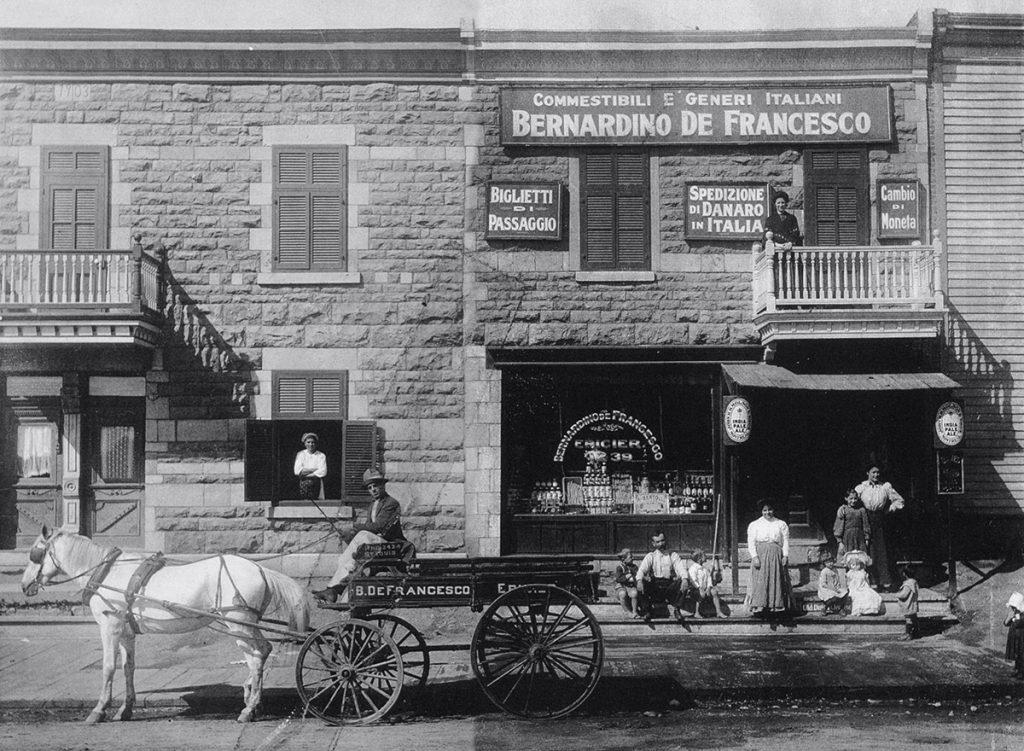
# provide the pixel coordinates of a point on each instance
(74, 197)
(310, 208)
(261, 461)
(615, 189)
(307, 395)
(361, 449)
(836, 189)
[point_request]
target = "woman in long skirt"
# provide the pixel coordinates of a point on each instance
(768, 545)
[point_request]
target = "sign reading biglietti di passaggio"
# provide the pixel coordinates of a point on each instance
(696, 115)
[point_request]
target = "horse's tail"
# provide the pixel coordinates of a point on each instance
(287, 594)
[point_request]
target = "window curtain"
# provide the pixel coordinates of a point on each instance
(35, 450)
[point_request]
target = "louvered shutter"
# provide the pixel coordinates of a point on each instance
(361, 448)
(306, 395)
(311, 213)
(74, 203)
(616, 211)
(261, 461)
(836, 207)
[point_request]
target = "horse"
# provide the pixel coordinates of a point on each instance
(223, 590)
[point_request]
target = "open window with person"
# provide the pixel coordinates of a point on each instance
(309, 451)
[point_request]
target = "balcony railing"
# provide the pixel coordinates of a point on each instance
(86, 281)
(846, 276)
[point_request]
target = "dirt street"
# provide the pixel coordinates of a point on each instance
(860, 725)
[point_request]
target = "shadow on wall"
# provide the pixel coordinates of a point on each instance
(989, 440)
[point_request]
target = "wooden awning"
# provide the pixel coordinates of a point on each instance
(761, 376)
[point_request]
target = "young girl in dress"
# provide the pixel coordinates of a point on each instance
(863, 599)
(1015, 636)
(852, 528)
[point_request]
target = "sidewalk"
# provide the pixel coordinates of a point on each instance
(54, 662)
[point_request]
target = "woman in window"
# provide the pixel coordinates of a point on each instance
(310, 468)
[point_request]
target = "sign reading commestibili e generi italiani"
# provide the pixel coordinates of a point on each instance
(665, 115)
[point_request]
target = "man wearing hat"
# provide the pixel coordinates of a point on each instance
(383, 524)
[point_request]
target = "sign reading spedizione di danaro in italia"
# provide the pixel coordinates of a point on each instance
(681, 115)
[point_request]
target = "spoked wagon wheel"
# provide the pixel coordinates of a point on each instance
(537, 651)
(349, 672)
(410, 642)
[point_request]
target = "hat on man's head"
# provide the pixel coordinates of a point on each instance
(314, 436)
(625, 553)
(1016, 601)
(373, 474)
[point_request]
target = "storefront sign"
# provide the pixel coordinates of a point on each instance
(726, 211)
(528, 211)
(621, 437)
(949, 470)
(680, 115)
(737, 420)
(899, 209)
(949, 425)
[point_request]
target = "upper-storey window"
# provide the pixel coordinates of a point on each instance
(615, 196)
(75, 189)
(837, 204)
(310, 208)
(309, 404)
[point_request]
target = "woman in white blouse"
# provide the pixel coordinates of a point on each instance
(768, 545)
(310, 468)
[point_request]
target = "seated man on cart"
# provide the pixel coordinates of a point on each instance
(383, 524)
(662, 577)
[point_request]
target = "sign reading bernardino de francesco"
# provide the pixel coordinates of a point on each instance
(680, 115)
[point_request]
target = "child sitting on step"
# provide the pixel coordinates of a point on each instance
(831, 591)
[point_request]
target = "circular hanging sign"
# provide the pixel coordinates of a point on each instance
(949, 424)
(737, 420)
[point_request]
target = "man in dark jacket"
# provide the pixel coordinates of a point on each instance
(383, 524)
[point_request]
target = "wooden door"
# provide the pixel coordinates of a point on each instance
(115, 471)
(30, 474)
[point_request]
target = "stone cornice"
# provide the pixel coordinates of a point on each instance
(378, 55)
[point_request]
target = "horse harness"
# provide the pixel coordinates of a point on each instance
(139, 578)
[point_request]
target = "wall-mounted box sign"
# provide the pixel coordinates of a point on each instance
(726, 211)
(660, 115)
(949, 472)
(524, 211)
(900, 207)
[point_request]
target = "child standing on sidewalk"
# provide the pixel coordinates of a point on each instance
(1015, 636)
(907, 596)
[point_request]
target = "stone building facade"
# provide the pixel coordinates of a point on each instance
(318, 211)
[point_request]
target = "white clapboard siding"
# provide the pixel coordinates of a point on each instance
(981, 128)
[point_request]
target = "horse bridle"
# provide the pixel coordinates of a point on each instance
(37, 554)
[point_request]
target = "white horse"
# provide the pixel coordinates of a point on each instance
(235, 592)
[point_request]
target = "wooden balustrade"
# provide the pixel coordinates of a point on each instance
(874, 276)
(89, 279)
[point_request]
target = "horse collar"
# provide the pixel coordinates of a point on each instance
(99, 574)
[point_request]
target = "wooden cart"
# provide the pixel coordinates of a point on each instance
(537, 649)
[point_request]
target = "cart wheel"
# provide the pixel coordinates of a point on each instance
(412, 645)
(537, 651)
(349, 672)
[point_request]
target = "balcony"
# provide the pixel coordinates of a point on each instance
(847, 292)
(81, 296)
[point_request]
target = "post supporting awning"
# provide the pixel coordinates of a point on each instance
(760, 375)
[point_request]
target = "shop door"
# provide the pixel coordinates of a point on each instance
(114, 473)
(30, 472)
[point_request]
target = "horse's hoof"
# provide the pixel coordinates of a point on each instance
(246, 716)
(123, 715)
(94, 718)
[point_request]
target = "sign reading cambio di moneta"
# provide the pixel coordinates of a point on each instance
(528, 211)
(899, 209)
(698, 115)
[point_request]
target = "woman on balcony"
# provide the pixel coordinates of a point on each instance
(782, 227)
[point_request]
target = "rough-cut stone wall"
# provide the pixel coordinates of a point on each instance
(188, 160)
